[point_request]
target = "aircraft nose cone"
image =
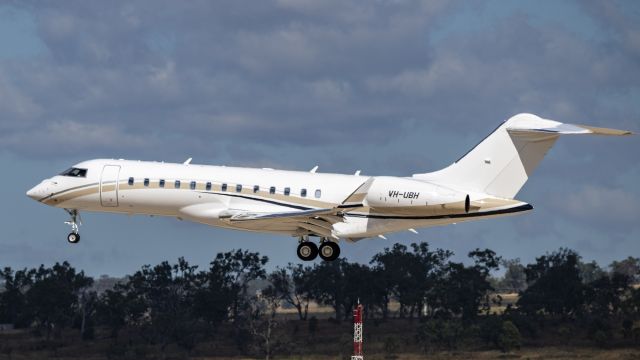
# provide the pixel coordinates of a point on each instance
(32, 193)
(37, 192)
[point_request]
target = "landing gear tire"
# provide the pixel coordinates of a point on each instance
(307, 251)
(329, 251)
(73, 238)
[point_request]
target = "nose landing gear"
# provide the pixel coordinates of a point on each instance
(308, 251)
(74, 236)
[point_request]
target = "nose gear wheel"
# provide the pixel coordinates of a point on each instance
(74, 235)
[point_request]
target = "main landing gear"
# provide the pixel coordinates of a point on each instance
(74, 235)
(307, 250)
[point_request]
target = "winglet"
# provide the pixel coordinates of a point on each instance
(313, 171)
(357, 197)
(188, 161)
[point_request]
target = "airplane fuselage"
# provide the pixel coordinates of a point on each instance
(213, 194)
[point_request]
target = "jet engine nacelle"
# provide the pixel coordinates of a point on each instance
(405, 195)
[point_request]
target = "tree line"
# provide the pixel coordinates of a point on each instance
(182, 305)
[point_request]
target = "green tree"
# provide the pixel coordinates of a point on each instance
(555, 285)
(329, 283)
(409, 276)
(514, 279)
(604, 296)
(112, 310)
(53, 297)
(362, 286)
(293, 286)
(590, 272)
(223, 294)
(629, 267)
(167, 292)
(631, 304)
(464, 290)
(13, 299)
(232, 272)
(262, 320)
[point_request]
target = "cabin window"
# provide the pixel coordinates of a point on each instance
(130, 181)
(303, 192)
(224, 187)
(272, 190)
(208, 186)
(256, 188)
(75, 172)
(318, 193)
(238, 188)
(161, 183)
(287, 191)
(177, 184)
(192, 186)
(146, 181)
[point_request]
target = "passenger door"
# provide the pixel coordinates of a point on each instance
(109, 185)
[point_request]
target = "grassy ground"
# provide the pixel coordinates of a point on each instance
(526, 353)
(294, 340)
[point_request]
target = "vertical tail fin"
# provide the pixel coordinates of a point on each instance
(502, 163)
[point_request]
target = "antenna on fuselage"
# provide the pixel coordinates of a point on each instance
(313, 171)
(188, 161)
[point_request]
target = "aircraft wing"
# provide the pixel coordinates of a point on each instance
(318, 221)
(287, 215)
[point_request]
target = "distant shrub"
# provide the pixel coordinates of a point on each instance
(599, 331)
(489, 329)
(636, 334)
(115, 350)
(440, 333)
(313, 325)
(509, 337)
(391, 346)
(627, 327)
(601, 338)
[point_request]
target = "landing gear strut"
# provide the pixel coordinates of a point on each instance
(74, 236)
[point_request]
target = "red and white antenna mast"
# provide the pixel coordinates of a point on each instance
(357, 333)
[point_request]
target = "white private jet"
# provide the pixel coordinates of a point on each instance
(481, 184)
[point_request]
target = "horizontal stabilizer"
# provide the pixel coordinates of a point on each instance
(554, 127)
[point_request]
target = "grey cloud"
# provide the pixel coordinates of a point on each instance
(598, 206)
(268, 72)
(201, 78)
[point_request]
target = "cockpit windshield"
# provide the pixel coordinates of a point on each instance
(75, 172)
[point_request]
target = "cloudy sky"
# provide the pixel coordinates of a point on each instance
(387, 87)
